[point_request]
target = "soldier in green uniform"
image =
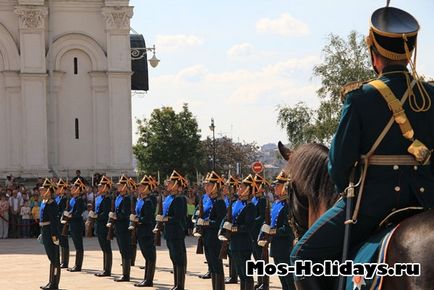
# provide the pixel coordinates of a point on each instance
(123, 235)
(386, 124)
(259, 200)
(145, 219)
(243, 217)
(174, 218)
(48, 221)
(102, 210)
(61, 201)
(214, 210)
(76, 223)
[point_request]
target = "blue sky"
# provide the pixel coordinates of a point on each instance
(236, 61)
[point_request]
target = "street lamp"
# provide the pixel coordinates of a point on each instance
(212, 128)
(140, 52)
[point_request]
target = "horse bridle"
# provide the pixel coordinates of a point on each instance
(293, 219)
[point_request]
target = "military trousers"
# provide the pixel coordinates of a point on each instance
(215, 265)
(123, 239)
(51, 249)
(287, 281)
(76, 229)
(177, 252)
(147, 247)
(64, 243)
(101, 232)
(239, 258)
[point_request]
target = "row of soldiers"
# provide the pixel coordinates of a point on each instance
(234, 218)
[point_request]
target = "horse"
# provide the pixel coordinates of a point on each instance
(312, 193)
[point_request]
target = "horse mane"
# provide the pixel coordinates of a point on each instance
(307, 167)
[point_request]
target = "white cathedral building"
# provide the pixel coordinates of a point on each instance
(65, 87)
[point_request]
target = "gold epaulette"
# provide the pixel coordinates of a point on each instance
(347, 88)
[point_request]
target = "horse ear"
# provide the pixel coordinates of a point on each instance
(284, 151)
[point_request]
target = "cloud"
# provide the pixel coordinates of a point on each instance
(171, 43)
(285, 25)
(241, 50)
(194, 73)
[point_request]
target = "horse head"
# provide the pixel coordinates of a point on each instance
(311, 189)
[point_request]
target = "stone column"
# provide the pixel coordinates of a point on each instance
(13, 124)
(33, 87)
(119, 84)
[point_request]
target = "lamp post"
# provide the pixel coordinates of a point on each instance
(212, 128)
(140, 52)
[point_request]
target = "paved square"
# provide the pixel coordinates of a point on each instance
(24, 266)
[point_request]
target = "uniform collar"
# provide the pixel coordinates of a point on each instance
(394, 69)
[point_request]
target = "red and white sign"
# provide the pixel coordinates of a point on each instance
(257, 167)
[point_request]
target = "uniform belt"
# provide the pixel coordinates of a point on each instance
(392, 160)
(42, 224)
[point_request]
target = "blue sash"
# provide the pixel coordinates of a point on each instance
(139, 205)
(237, 208)
(58, 199)
(166, 204)
(71, 204)
(275, 210)
(41, 211)
(255, 200)
(208, 203)
(98, 201)
(118, 201)
(226, 201)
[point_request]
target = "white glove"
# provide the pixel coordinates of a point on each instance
(133, 217)
(55, 240)
(112, 215)
(202, 222)
(67, 214)
(159, 218)
(92, 214)
(227, 226)
(265, 228)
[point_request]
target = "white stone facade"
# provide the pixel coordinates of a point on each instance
(65, 79)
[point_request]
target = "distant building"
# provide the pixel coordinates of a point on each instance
(269, 156)
(65, 87)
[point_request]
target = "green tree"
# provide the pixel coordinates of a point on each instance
(228, 154)
(168, 141)
(344, 61)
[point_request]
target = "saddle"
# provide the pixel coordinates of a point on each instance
(374, 249)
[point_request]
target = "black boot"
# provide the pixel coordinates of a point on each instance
(260, 282)
(133, 255)
(180, 283)
(233, 279)
(78, 262)
(242, 284)
(126, 268)
(265, 283)
(142, 284)
(213, 281)
(249, 284)
(207, 275)
(56, 277)
(150, 273)
(65, 257)
(175, 277)
(106, 265)
(50, 279)
(220, 282)
(308, 283)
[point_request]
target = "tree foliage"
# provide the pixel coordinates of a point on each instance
(344, 61)
(228, 154)
(167, 141)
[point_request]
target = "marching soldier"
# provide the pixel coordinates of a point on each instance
(214, 210)
(123, 235)
(132, 185)
(243, 217)
(49, 220)
(174, 218)
(259, 201)
(278, 230)
(386, 128)
(230, 196)
(102, 210)
(145, 219)
(61, 202)
(76, 223)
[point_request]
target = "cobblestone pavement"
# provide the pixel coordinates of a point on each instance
(24, 266)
